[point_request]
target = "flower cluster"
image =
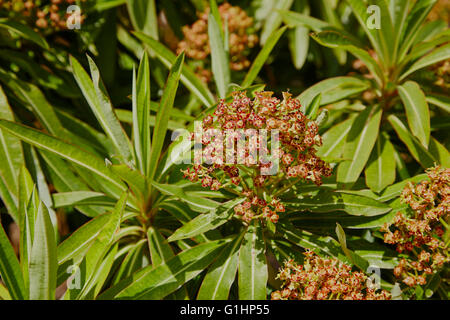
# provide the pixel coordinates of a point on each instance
(296, 135)
(418, 232)
(324, 279)
(49, 15)
(440, 11)
(196, 42)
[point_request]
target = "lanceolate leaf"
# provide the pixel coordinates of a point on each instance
(292, 18)
(274, 19)
(414, 20)
(335, 39)
(24, 31)
(206, 222)
(43, 260)
(141, 115)
(81, 239)
(220, 65)
(334, 140)
(62, 149)
(439, 54)
(359, 144)
(188, 78)
(160, 250)
(221, 274)
(11, 156)
(156, 283)
(95, 94)
(162, 118)
(417, 111)
(143, 16)
(328, 201)
(333, 89)
(417, 150)
(380, 170)
(10, 270)
(199, 202)
(253, 273)
(439, 152)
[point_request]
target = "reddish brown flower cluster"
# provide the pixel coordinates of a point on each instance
(51, 15)
(196, 42)
(324, 279)
(418, 232)
(296, 155)
(440, 11)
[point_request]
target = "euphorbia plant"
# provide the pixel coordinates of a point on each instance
(402, 45)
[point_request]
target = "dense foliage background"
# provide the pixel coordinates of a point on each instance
(97, 204)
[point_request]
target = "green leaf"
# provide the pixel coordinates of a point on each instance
(439, 54)
(336, 39)
(62, 149)
(399, 10)
(43, 260)
(299, 45)
(221, 274)
(294, 19)
(100, 247)
(333, 89)
(82, 198)
(414, 146)
(320, 244)
(11, 156)
(135, 180)
(343, 240)
(24, 31)
(253, 273)
(329, 201)
(95, 94)
(195, 201)
(395, 190)
(380, 169)
(141, 115)
(361, 13)
(415, 18)
(36, 101)
(333, 140)
(206, 222)
(188, 77)
(162, 118)
(417, 111)
(359, 144)
(313, 108)
(160, 250)
(143, 16)
(440, 101)
(274, 19)
(155, 283)
(326, 221)
(10, 269)
(26, 221)
(220, 66)
(439, 152)
(262, 56)
(81, 239)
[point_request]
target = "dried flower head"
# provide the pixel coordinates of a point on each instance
(324, 279)
(418, 232)
(241, 38)
(296, 156)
